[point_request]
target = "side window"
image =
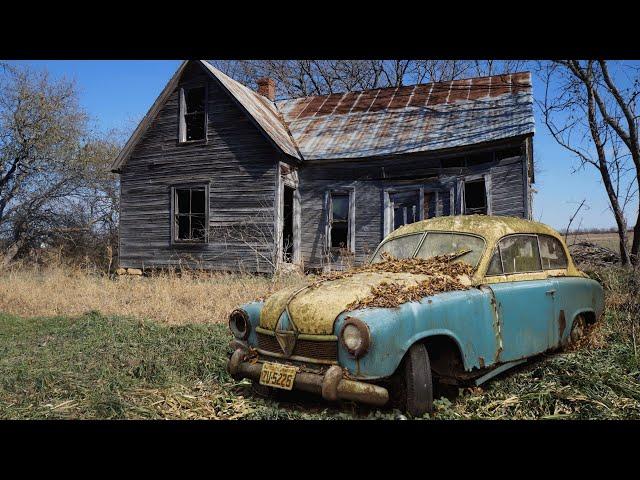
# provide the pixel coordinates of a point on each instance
(520, 254)
(552, 253)
(339, 224)
(190, 214)
(495, 265)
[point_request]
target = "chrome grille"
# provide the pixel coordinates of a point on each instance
(312, 349)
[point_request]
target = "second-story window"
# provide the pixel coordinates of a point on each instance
(193, 114)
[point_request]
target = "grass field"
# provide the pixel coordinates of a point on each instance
(607, 240)
(117, 365)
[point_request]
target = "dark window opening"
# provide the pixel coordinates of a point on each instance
(339, 220)
(479, 158)
(194, 113)
(287, 225)
(475, 197)
(406, 208)
(428, 198)
(509, 153)
(190, 214)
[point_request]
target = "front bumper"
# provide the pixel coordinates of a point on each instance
(331, 385)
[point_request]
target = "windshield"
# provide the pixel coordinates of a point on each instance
(468, 247)
(401, 247)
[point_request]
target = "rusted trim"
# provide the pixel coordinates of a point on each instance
(296, 358)
(562, 325)
(238, 313)
(363, 328)
(497, 322)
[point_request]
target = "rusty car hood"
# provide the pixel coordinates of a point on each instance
(314, 308)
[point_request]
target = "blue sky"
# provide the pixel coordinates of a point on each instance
(117, 94)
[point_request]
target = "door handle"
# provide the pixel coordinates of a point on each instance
(551, 292)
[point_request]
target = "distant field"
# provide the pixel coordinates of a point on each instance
(607, 240)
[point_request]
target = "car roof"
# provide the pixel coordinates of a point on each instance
(490, 227)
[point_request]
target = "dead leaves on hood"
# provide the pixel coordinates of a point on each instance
(444, 276)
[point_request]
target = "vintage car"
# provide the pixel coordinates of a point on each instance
(524, 297)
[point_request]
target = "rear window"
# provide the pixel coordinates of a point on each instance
(552, 253)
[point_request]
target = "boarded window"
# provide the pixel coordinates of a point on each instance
(194, 124)
(552, 253)
(339, 221)
(520, 254)
(190, 214)
(405, 207)
(475, 197)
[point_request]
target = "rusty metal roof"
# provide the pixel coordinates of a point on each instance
(261, 110)
(381, 121)
(414, 118)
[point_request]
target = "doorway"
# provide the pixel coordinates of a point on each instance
(287, 225)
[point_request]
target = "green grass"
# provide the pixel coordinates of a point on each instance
(94, 366)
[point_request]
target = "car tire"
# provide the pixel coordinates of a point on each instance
(578, 330)
(264, 391)
(418, 381)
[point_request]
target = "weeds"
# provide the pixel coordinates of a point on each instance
(94, 365)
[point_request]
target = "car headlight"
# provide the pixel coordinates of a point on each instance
(239, 324)
(355, 336)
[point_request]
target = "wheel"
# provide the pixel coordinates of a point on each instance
(264, 391)
(578, 330)
(418, 381)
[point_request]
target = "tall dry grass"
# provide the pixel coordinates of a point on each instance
(167, 297)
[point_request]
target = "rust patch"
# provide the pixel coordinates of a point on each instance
(562, 325)
(481, 361)
(480, 87)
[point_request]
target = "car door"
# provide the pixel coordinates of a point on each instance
(525, 299)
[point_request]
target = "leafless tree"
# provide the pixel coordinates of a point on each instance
(595, 119)
(300, 78)
(51, 165)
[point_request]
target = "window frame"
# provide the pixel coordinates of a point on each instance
(174, 213)
(424, 234)
(542, 269)
(350, 194)
(487, 192)
(182, 124)
(564, 250)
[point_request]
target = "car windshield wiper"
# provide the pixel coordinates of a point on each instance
(460, 253)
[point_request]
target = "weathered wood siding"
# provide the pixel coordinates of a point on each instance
(237, 162)
(370, 180)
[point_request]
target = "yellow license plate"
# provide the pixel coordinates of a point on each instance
(277, 375)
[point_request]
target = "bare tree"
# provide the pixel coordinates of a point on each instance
(300, 78)
(585, 112)
(51, 166)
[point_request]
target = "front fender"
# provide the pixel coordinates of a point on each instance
(464, 316)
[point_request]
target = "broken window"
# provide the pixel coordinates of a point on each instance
(475, 197)
(520, 254)
(193, 125)
(190, 214)
(339, 221)
(552, 253)
(405, 207)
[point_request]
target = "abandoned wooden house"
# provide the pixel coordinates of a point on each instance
(223, 177)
